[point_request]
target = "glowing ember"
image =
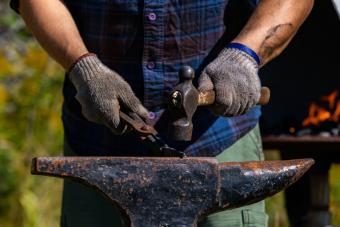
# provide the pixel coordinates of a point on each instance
(317, 114)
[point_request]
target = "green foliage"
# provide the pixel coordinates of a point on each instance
(30, 104)
(335, 193)
(7, 176)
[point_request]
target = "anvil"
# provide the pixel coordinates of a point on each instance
(174, 192)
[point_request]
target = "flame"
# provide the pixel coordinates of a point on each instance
(318, 114)
(336, 115)
(330, 99)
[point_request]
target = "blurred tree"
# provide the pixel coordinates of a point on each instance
(30, 104)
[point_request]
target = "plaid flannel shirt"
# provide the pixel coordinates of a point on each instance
(147, 42)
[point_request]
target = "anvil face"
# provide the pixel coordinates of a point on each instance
(173, 191)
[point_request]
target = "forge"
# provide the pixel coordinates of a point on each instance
(302, 119)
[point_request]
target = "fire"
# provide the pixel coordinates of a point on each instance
(318, 114)
(336, 115)
(331, 99)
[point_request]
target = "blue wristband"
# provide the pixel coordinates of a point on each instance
(246, 50)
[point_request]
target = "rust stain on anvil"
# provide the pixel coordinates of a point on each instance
(174, 192)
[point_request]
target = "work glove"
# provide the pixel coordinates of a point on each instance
(234, 77)
(101, 93)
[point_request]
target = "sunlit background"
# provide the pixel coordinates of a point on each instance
(30, 125)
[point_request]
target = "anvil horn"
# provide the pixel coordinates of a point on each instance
(249, 182)
(172, 191)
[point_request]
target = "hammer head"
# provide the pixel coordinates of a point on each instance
(185, 99)
(182, 105)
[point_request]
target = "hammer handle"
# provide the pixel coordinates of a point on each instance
(206, 98)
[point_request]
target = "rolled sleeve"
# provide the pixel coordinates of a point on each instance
(15, 5)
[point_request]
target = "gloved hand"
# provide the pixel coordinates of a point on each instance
(234, 77)
(101, 92)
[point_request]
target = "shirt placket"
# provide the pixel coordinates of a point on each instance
(153, 53)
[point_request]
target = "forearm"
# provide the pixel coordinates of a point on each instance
(54, 28)
(272, 26)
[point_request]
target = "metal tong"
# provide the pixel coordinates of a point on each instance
(150, 136)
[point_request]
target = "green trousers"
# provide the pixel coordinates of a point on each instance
(83, 207)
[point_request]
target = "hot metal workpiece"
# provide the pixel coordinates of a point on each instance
(154, 192)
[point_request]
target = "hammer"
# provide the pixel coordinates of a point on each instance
(174, 192)
(185, 99)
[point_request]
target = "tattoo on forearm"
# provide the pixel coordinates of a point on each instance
(276, 37)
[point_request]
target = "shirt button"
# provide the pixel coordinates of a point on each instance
(150, 65)
(152, 16)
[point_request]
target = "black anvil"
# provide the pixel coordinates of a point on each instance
(154, 192)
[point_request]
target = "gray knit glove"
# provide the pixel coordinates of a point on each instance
(101, 92)
(234, 77)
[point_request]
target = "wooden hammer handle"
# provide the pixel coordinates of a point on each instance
(206, 98)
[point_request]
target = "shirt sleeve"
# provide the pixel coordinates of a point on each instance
(15, 5)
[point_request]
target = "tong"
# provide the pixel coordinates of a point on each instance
(150, 136)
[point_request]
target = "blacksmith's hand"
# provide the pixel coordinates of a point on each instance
(234, 77)
(101, 92)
